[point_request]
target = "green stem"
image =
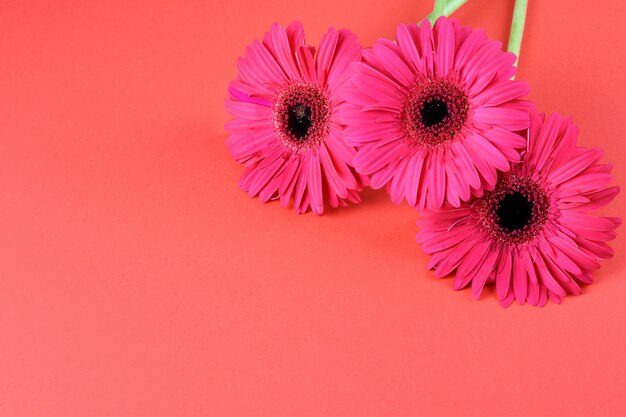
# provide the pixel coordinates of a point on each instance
(450, 7)
(438, 10)
(517, 27)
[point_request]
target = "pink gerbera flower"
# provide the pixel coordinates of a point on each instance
(533, 235)
(285, 128)
(434, 114)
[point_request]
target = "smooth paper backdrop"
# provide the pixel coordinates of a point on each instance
(136, 279)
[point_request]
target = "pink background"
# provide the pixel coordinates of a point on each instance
(136, 279)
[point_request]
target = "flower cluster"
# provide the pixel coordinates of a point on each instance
(436, 118)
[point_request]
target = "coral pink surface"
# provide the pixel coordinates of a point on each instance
(137, 279)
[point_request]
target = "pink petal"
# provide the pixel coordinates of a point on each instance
(503, 274)
(502, 116)
(314, 180)
(520, 279)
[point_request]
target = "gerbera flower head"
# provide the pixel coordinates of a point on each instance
(286, 129)
(533, 235)
(434, 114)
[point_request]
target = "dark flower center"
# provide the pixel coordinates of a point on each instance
(514, 212)
(299, 120)
(301, 116)
(434, 111)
